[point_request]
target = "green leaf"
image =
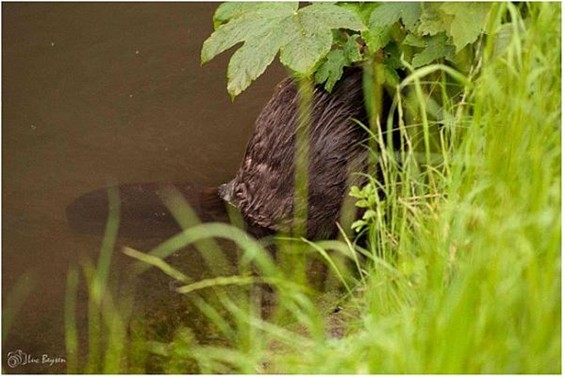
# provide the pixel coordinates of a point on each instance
(302, 36)
(332, 69)
(251, 60)
(358, 225)
(436, 48)
(351, 49)
(229, 10)
(311, 34)
(377, 37)
(391, 76)
(363, 9)
(412, 40)
(434, 20)
(393, 56)
(254, 23)
(389, 13)
(356, 192)
(369, 214)
(462, 22)
(362, 203)
(384, 17)
(502, 38)
(469, 20)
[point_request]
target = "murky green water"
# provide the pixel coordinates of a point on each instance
(95, 93)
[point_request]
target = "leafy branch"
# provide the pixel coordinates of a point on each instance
(321, 39)
(302, 37)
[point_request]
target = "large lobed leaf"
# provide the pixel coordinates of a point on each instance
(382, 19)
(469, 20)
(435, 47)
(463, 22)
(302, 36)
(389, 13)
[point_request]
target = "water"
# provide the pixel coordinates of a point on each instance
(93, 94)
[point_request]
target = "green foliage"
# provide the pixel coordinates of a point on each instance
(387, 14)
(384, 21)
(440, 29)
(420, 33)
(367, 200)
(466, 21)
(303, 37)
(434, 48)
(332, 67)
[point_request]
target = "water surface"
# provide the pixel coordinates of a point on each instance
(99, 93)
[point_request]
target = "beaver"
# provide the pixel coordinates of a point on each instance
(263, 188)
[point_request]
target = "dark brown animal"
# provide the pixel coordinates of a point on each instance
(263, 188)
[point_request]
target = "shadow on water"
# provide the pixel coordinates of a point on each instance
(142, 211)
(98, 93)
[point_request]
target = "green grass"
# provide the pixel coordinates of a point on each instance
(462, 269)
(467, 253)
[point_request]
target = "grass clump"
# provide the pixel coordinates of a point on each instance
(466, 253)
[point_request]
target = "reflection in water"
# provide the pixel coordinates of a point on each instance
(143, 213)
(99, 93)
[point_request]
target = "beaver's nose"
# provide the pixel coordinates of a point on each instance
(225, 191)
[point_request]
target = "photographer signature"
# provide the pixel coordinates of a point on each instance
(19, 358)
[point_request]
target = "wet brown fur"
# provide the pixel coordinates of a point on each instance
(263, 188)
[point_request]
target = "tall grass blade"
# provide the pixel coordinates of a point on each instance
(71, 331)
(15, 300)
(187, 218)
